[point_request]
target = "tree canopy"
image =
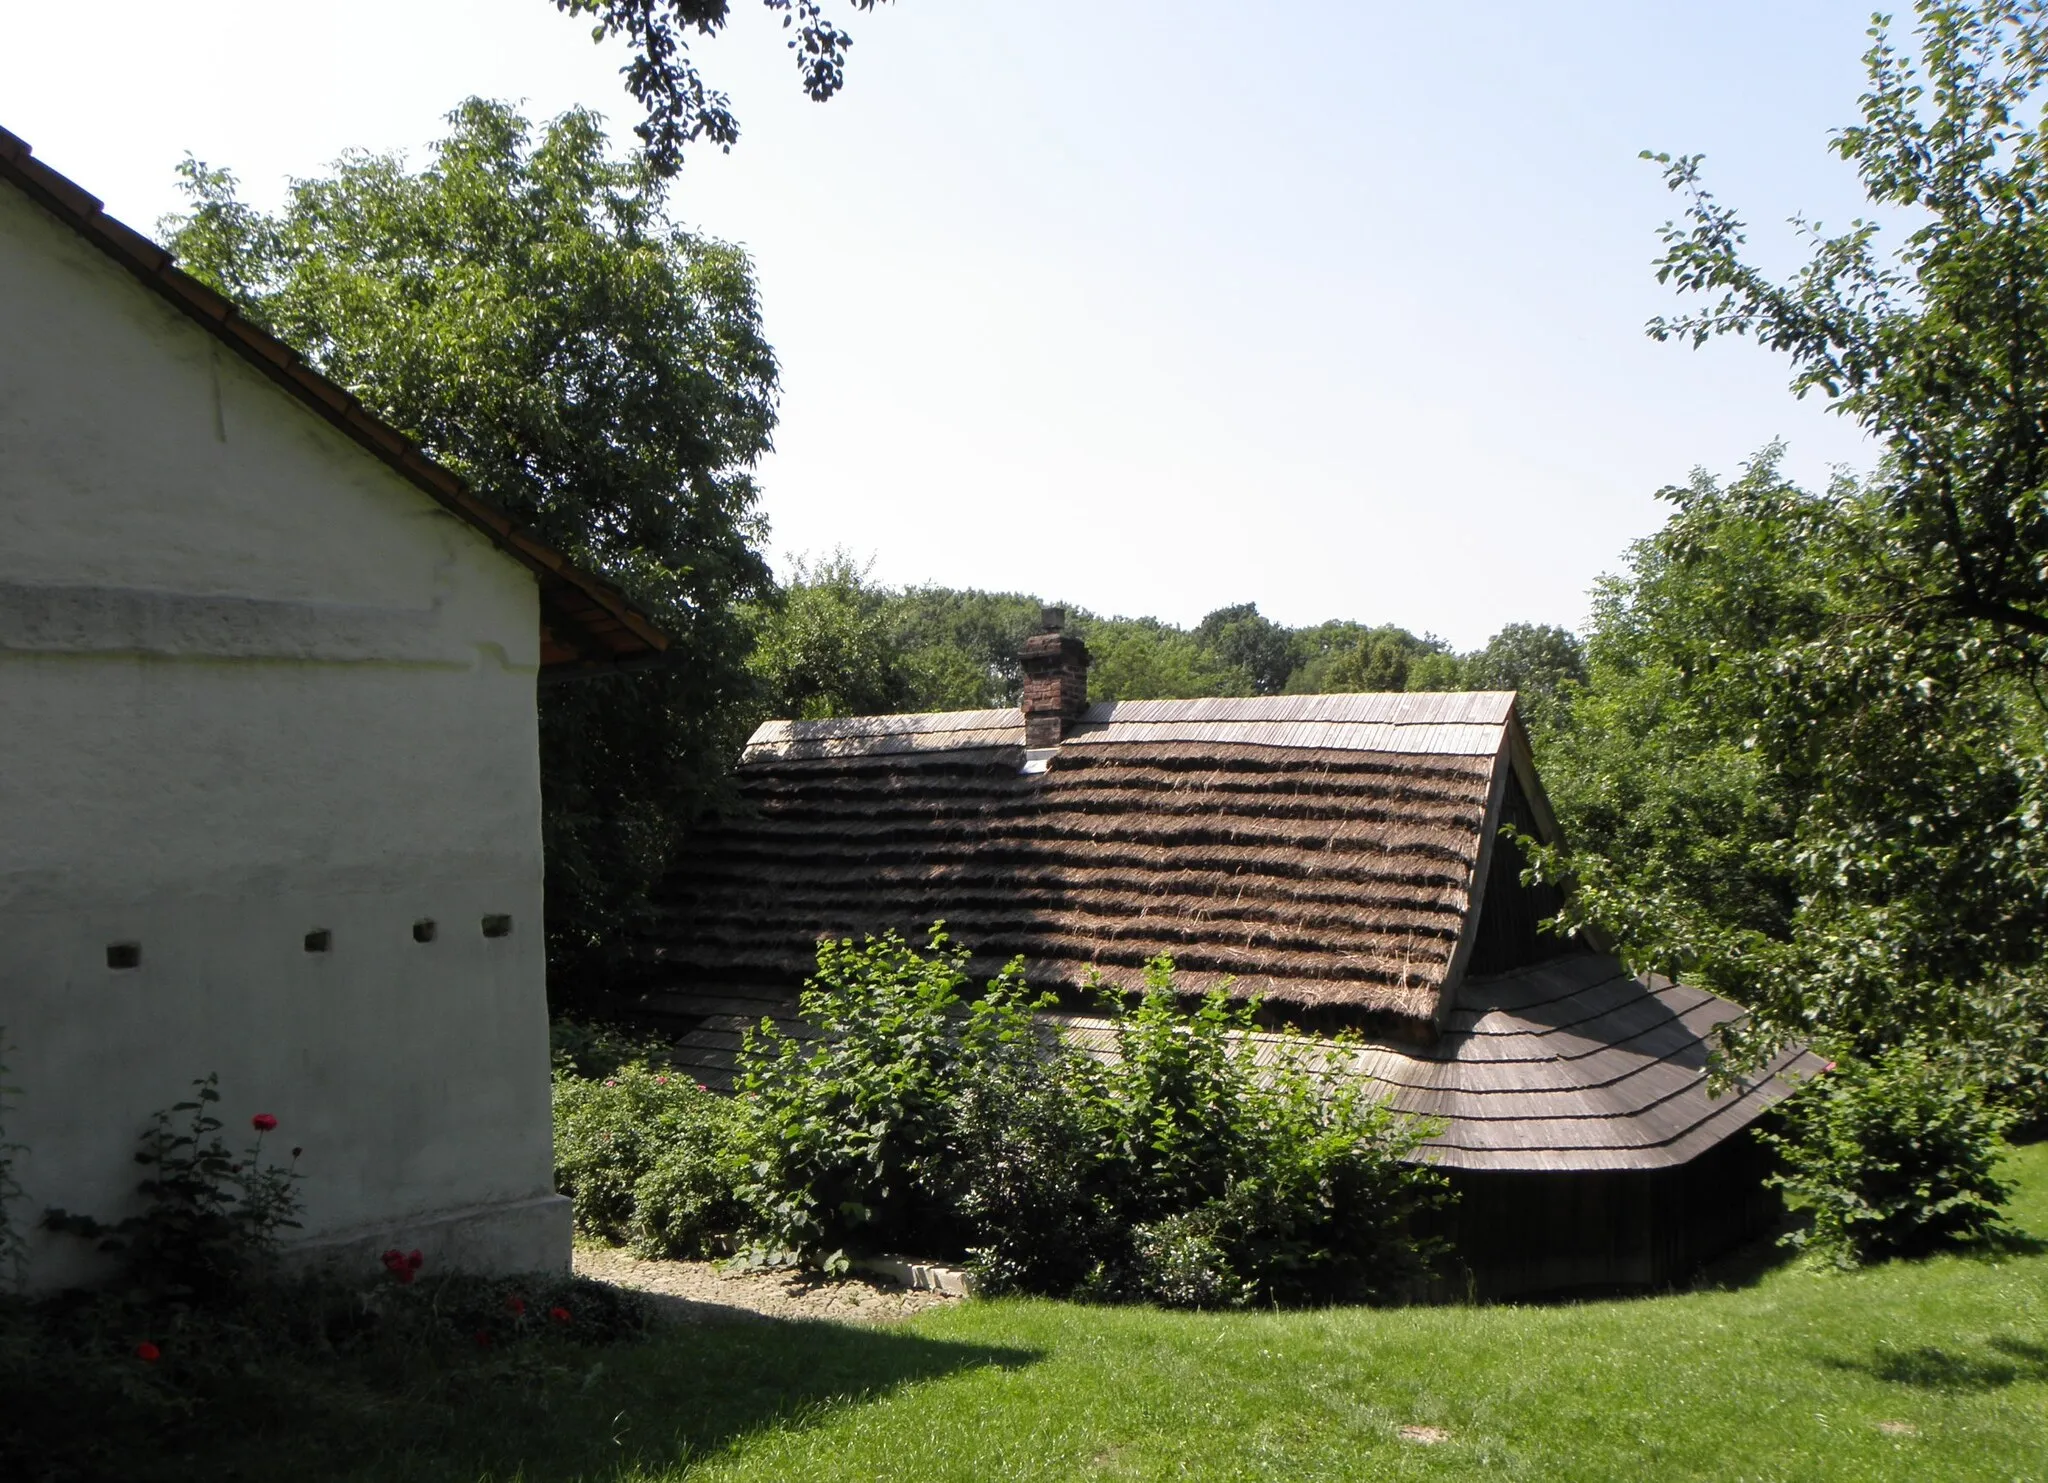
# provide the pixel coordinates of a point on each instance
(1939, 349)
(663, 76)
(1772, 794)
(523, 308)
(835, 643)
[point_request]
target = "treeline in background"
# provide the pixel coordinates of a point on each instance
(835, 643)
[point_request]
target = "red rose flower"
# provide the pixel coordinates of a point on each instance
(147, 1352)
(559, 1315)
(414, 1260)
(517, 1305)
(263, 1122)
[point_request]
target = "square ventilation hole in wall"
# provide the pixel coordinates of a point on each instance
(497, 925)
(423, 930)
(124, 955)
(319, 940)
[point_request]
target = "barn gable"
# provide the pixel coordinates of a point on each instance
(269, 765)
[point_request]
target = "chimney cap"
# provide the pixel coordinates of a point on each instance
(1051, 618)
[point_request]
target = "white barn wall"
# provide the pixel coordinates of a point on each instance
(253, 683)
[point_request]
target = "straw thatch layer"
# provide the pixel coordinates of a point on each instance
(1312, 877)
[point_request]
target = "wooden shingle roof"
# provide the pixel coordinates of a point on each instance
(586, 624)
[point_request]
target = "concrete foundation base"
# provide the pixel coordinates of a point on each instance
(522, 1236)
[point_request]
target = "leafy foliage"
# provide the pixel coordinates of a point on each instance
(213, 1218)
(662, 75)
(1850, 684)
(1776, 795)
(650, 1159)
(1934, 350)
(100, 1385)
(836, 643)
(524, 310)
(1250, 643)
(1178, 1170)
(856, 1121)
(1893, 1156)
(594, 1049)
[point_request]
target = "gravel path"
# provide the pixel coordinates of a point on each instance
(698, 1292)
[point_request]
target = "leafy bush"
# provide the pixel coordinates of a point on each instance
(212, 1223)
(1894, 1156)
(1274, 1182)
(592, 1048)
(857, 1118)
(651, 1159)
(1175, 1169)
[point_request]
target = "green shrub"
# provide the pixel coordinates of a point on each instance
(1177, 1169)
(1893, 1156)
(858, 1117)
(650, 1159)
(1181, 1262)
(213, 1218)
(1281, 1183)
(593, 1048)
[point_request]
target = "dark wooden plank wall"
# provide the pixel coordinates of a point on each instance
(1587, 1234)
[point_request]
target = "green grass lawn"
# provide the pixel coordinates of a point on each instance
(1926, 1371)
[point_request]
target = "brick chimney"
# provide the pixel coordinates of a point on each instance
(1055, 680)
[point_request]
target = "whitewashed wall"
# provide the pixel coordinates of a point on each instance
(253, 685)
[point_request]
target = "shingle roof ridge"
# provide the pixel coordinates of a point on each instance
(908, 723)
(157, 268)
(1452, 723)
(1395, 708)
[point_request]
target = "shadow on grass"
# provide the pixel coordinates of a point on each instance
(688, 1392)
(2003, 1362)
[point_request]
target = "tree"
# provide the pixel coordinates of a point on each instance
(1772, 794)
(1941, 350)
(523, 309)
(1807, 765)
(824, 646)
(1145, 659)
(1247, 641)
(1538, 661)
(1340, 657)
(662, 75)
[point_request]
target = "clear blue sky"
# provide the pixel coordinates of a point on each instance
(1335, 307)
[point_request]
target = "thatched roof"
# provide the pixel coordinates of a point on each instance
(1318, 851)
(1337, 856)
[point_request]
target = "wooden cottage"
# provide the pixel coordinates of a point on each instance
(1340, 856)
